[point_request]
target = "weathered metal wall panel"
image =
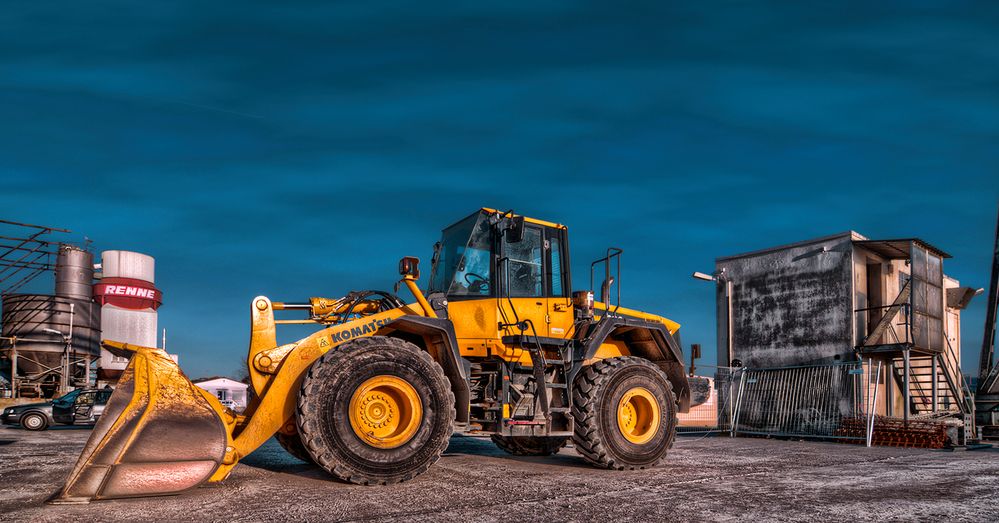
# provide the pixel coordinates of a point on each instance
(792, 305)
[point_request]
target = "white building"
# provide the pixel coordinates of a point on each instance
(231, 393)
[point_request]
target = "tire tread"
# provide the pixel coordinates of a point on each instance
(308, 409)
(587, 436)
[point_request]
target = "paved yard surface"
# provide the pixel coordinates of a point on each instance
(707, 479)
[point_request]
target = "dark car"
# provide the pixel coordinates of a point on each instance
(79, 407)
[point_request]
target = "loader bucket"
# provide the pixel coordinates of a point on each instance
(158, 435)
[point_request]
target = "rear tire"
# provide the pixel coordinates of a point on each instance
(292, 444)
(625, 413)
(34, 421)
(376, 411)
(530, 445)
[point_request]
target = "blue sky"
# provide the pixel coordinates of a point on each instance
(296, 150)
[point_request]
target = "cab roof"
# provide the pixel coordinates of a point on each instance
(535, 221)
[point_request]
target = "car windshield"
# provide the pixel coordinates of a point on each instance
(67, 398)
(463, 259)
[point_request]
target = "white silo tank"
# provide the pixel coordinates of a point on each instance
(129, 299)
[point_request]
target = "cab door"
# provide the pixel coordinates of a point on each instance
(522, 270)
(559, 300)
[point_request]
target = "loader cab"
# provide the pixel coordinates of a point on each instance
(494, 270)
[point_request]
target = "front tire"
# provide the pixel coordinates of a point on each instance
(34, 421)
(530, 445)
(376, 411)
(625, 414)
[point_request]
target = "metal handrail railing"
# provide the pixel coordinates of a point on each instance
(968, 405)
(612, 252)
(902, 302)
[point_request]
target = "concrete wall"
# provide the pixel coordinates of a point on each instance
(791, 305)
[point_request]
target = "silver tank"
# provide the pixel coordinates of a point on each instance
(74, 275)
(28, 315)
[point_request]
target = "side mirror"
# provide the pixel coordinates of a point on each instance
(515, 231)
(436, 256)
(410, 266)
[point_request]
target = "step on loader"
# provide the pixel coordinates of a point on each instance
(497, 345)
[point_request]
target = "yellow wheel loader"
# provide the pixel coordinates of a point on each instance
(497, 345)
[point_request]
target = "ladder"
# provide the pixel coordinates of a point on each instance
(550, 362)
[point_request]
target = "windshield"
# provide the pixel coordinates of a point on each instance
(464, 259)
(68, 398)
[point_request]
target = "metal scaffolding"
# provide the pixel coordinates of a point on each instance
(24, 253)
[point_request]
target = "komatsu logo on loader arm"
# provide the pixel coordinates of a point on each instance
(354, 332)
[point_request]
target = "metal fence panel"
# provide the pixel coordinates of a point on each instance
(807, 401)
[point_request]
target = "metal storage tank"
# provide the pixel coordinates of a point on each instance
(129, 300)
(34, 326)
(28, 319)
(74, 272)
(26, 316)
(128, 264)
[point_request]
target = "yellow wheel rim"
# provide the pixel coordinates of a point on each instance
(638, 415)
(385, 411)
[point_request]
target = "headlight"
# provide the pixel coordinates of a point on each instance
(9, 410)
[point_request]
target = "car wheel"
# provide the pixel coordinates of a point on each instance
(34, 421)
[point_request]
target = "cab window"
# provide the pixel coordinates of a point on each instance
(524, 270)
(556, 263)
(471, 276)
(464, 259)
